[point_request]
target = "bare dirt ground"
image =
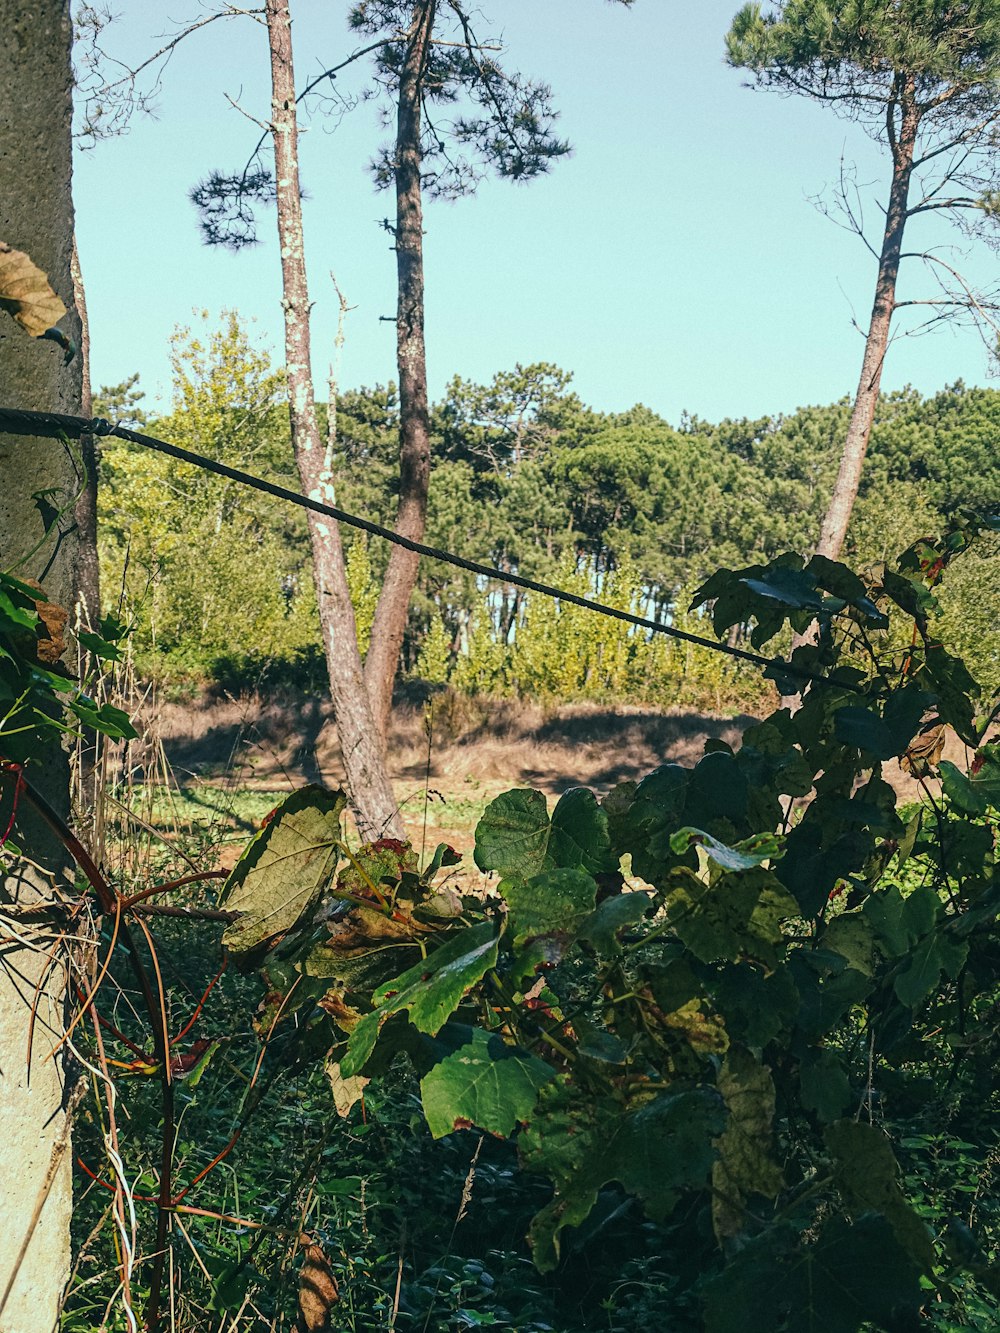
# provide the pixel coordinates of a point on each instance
(447, 759)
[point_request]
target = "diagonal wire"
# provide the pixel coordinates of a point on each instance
(54, 425)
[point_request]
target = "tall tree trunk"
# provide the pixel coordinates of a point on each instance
(360, 739)
(845, 490)
(36, 216)
(389, 624)
(88, 583)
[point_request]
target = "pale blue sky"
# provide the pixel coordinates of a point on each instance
(674, 259)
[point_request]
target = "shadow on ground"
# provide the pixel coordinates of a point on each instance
(292, 739)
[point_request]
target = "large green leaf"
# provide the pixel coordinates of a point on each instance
(866, 731)
(824, 1084)
(107, 719)
(827, 989)
(908, 932)
(853, 937)
(584, 1143)
(850, 1275)
(550, 905)
(579, 834)
(717, 790)
(280, 876)
(758, 1002)
(934, 954)
(430, 991)
(965, 794)
(819, 852)
(613, 915)
(512, 837)
(517, 838)
(642, 819)
(985, 775)
(738, 913)
(485, 1084)
(867, 1176)
(887, 911)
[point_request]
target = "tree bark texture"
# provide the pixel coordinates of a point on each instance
(36, 216)
(845, 490)
(360, 739)
(88, 582)
(389, 624)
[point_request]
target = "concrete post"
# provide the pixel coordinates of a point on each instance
(36, 216)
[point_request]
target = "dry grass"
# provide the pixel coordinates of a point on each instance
(269, 742)
(477, 749)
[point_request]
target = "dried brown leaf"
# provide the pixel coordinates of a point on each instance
(25, 292)
(318, 1290)
(50, 643)
(925, 750)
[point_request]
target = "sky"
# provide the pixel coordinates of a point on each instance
(677, 258)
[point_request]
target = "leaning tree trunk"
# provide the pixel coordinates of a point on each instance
(36, 216)
(859, 429)
(360, 739)
(845, 490)
(389, 625)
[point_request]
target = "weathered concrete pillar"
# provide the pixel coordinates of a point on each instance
(36, 216)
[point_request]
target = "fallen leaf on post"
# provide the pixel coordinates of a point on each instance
(26, 294)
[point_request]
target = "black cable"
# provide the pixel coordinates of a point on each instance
(54, 424)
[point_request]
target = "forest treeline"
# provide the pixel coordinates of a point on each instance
(527, 477)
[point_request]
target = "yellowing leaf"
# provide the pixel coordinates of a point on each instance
(867, 1175)
(25, 292)
(745, 1164)
(279, 878)
(346, 1091)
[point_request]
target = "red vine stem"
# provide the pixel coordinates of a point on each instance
(201, 1004)
(9, 767)
(173, 884)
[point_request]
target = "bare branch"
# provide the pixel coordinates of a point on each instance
(331, 74)
(261, 124)
(969, 135)
(122, 103)
(942, 204)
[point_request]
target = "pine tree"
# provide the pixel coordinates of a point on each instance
(923, 77)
